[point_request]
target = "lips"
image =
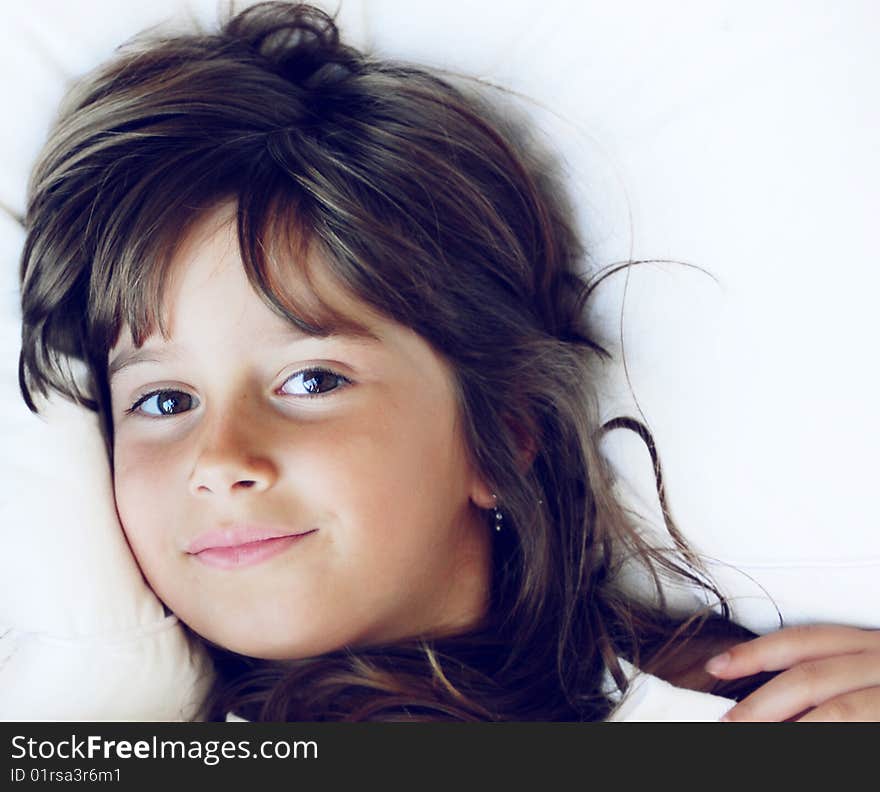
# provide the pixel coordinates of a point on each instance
(238, 535)
(243, 545)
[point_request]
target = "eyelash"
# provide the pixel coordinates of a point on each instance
(311, 370)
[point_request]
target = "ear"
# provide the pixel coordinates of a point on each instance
(481, 494)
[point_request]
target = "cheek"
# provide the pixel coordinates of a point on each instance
(139, 485)
(401, 478)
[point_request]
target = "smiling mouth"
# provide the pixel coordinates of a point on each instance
(238, 534)
(248, 553)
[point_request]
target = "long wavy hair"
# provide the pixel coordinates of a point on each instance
(430, 205)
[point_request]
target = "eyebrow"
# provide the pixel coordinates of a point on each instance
(352, 332)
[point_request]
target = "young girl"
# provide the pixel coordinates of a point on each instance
(332, 315)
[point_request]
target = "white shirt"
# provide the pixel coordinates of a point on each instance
(650, 698)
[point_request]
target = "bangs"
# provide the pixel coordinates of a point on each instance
(278, 248)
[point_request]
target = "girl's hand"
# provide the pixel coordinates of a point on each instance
(832, 674)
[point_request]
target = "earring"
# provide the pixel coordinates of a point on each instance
(498, 515)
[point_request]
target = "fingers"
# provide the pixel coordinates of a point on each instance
(858, 706)
(831, 687)
(829, 672)
(791, 646)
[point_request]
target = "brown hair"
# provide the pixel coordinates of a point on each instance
(428, 205)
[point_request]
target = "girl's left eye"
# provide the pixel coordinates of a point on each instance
(317, 382)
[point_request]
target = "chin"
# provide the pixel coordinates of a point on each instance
(252, 646)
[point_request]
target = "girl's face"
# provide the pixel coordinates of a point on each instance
(371, 470)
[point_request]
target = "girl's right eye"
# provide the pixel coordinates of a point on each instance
(166, 403)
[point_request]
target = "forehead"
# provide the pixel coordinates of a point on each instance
(206, 278)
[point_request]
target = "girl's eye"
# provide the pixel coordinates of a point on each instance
(166, 402)
(316, 382)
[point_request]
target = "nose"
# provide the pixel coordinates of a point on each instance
(230, 463)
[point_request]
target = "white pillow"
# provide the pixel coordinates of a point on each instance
(82, 637)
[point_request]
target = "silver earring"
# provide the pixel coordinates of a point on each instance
(498, 515)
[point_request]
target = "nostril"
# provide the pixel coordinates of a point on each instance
(246, 483)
